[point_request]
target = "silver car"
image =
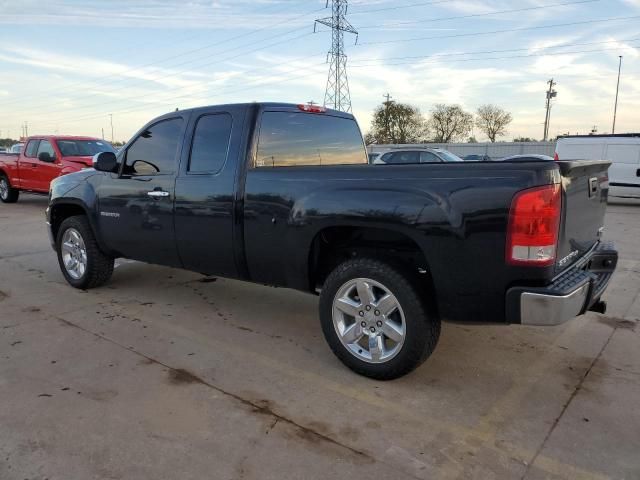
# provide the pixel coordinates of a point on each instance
(413, 155)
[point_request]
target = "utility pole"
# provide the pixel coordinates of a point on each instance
(26, 129)
(387, 126)
(337, 92)
(111, 122)
(551, 93)
(102, 132)
(615, 108)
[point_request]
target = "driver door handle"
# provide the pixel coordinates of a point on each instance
(158, 193)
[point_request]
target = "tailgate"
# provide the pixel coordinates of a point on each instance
(585, 189)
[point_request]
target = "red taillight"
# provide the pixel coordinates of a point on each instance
(534, 220)
(305, 107)
(555, 157)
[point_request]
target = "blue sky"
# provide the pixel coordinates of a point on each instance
(67, 64)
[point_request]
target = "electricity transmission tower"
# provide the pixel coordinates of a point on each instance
(337, 93)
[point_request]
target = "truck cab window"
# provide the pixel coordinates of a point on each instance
(210, 143)
(154, 151)
(32, 148)
(292, 139)
(46, 147)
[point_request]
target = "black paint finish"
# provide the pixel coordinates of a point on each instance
(260, 224)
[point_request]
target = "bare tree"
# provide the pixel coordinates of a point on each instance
(396, 123)
(492, 121)
(449, 122)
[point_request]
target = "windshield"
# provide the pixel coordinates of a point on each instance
(17, 148)
(83, 148)
(449, 157)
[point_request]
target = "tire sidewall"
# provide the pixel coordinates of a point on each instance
(12, 194)
(419, 327)
(81, 229)
(4, 179)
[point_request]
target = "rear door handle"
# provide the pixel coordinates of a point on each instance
(158, 193)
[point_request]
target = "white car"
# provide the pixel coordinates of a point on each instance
(16, 148)
(623, 151)
(413, 155)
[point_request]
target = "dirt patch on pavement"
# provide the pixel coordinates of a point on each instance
(180, 376)
(618, 322)
(3, 295)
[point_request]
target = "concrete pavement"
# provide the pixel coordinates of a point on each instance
(164, 374)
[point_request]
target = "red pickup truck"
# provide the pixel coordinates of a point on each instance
(43, 158)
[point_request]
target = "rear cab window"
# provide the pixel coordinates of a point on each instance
(32, 148)
(307, 139)
(210, 144)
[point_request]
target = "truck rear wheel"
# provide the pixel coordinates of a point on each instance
(7, 193)
(375, 320)
(82, 262)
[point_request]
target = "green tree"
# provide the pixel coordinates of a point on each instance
(449, 123)
(493, 121)
(396, 123)
(7, 142)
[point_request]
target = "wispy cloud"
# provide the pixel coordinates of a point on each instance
(173, 14)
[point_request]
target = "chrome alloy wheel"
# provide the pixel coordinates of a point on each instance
(4, 188)
(74, 253)
(369, 320)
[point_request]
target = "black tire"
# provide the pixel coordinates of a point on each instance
(422, 329)
(8, 194)
(99, 266)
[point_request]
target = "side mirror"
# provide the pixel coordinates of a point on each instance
(46, 157)
(105, 162)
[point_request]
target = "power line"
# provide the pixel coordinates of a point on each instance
(172, 100)
(521, 29)
(447, 54)
(543, 51)
(258, 83)
(398, 7)
(179, 55)
(475, 15)
(164, 76)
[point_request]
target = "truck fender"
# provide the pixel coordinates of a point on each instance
(64, 207)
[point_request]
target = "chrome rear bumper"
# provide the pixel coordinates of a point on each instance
(543, 309)
(571, 294)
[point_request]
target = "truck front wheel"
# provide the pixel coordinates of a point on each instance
(375, 320)
(7, 193)
(82, 262)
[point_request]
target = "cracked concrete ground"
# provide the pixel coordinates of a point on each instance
(163, 374)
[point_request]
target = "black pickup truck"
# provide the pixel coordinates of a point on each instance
(283, 195)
